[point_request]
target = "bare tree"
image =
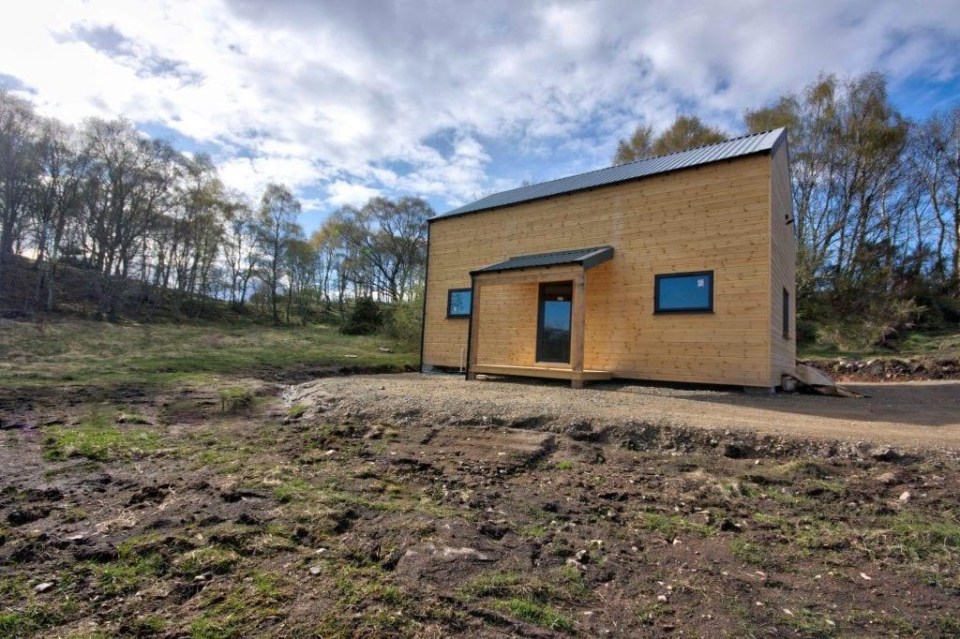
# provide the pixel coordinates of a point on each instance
(935, 163)
(19, 170)
(276, 226)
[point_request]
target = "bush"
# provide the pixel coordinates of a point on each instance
(365, 319)
(405, 322)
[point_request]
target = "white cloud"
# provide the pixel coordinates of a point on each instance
(349, 98)
(352, 194)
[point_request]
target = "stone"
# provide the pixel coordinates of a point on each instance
(904, 496)
(44, 587)
(887, 454)
(887, 478)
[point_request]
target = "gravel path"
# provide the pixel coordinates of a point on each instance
(910, 414)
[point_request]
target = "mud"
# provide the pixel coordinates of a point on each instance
(330, 514)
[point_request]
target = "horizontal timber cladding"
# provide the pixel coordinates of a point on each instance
(710, 218)
(783, 273)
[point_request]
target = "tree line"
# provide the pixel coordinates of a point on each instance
(155, 226)
(876, 199)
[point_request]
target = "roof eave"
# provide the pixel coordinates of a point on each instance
(451, 215)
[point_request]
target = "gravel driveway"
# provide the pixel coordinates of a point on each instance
(910, 414)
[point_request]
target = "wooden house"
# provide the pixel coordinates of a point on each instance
(678, 268)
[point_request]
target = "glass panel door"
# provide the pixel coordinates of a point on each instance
(553, 327)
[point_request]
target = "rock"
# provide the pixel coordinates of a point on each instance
(728, 526)
(904, 496)
(865, 576)
(493, 529)
(315, 570)
(662, 598)
(887, 454)
(25, 515)
(465, 553)
(887, 478)
(44, 587)
(737, 450)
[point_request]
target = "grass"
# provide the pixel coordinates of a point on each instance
(670, 526)
(72, 351)
(940, 344)
(529, 598)
(531, 611)
(206, 560)
(98, 438)
(749, 552)
(127, 575)
(238, 612)
(235, 398)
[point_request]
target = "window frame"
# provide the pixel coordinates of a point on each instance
(450, 293)
(695, 309)
(786, 313)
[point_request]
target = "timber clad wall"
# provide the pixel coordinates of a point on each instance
(783, 267)
(715, 217)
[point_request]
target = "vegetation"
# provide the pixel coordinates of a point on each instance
(686, 132)
(83, 352)
(150, 228)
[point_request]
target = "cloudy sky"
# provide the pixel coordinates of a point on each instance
(449, 100)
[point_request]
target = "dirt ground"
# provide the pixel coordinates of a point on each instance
(424, 506)
(913, 414)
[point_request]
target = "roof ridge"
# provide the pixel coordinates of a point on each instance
(646, 159)
(693, 148)
(644, 167)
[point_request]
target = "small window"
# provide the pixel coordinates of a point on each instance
(684, 293)
(786, 314)
(459, 301)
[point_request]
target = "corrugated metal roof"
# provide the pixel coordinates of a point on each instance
(589, 257)
(737, 147)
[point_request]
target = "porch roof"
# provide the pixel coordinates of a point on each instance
(586, 257)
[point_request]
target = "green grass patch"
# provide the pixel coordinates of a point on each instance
(242, 609)
(671, 526)
(296, 411)
(99, 439)
(206, 560)
(127, 575)
(810, 624)
(534, 612)
(235, 398)
(749, 552)
(74, 351)
(921, 538)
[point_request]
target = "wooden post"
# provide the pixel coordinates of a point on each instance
(577, 321)
(474, 339)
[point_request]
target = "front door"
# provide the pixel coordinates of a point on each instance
(553, 323)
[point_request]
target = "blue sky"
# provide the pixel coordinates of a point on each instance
(344, 100)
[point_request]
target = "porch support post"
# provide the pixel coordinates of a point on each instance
(577, 322)
(474, 333)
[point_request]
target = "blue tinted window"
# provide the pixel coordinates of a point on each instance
(458, 302)
(684, 292)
